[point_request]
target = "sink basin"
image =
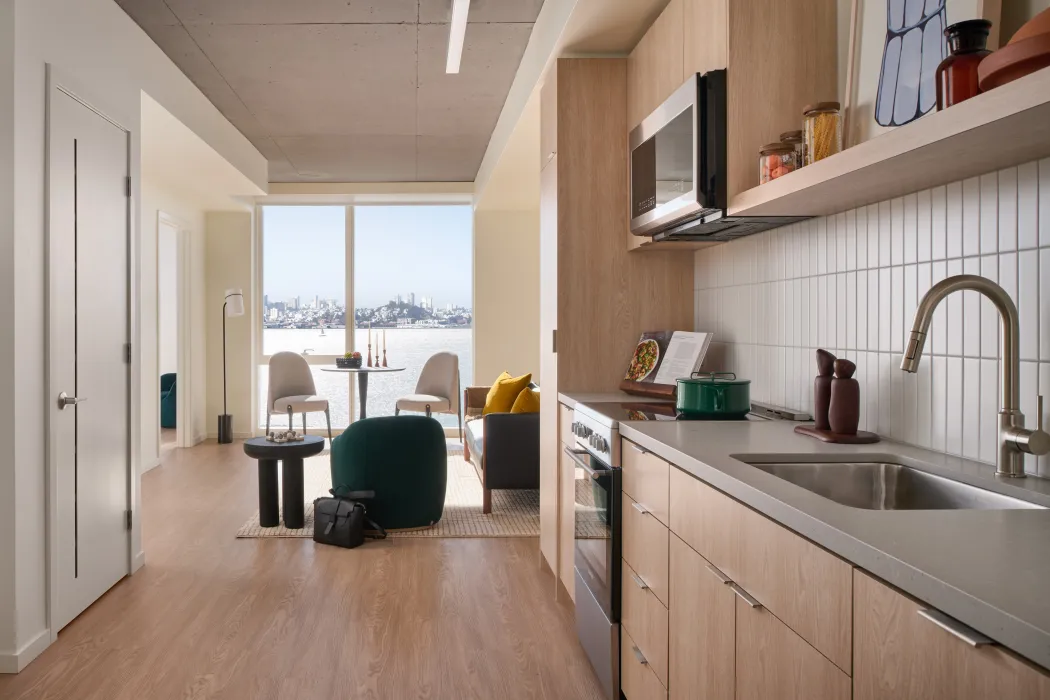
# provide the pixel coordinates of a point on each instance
(882, 486)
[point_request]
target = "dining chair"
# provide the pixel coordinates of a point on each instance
(291, 390)
(437, 389)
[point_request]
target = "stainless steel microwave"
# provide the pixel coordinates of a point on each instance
(679, 170)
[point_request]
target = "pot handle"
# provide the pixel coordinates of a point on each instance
(720, 398)
(713, 375)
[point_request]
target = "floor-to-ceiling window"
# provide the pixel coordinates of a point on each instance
(406, 273)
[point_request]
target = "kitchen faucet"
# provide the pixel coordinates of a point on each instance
(1014, 439)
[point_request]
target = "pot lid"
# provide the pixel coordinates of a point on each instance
(720, 378)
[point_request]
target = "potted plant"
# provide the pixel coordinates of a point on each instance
(351, 360)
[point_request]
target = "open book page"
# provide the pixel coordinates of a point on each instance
(685, 352)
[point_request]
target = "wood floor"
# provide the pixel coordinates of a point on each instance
(211, 616)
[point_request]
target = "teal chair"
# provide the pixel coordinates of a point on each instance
(403, 459)
(167, 400)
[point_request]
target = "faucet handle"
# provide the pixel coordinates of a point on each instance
(1033, 442)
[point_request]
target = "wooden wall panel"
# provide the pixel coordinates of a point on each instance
(706, 35)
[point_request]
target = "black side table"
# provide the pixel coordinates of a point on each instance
(291, 456)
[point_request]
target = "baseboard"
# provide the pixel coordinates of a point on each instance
(156, 463)
(14, 663)
(197, 439)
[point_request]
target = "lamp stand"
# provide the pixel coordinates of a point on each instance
(225, 420)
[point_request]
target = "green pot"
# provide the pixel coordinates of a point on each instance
(717, 395)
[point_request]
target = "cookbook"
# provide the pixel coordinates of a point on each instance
(663, 357)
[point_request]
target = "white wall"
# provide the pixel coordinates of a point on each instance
(167, 298)
(850, 283)
(229, 265)
(97, 51)
(506, 294)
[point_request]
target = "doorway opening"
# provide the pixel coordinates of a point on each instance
(174, 413)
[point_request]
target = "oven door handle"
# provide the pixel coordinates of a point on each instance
(575, 455)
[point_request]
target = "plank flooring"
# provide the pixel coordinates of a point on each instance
(211, 616)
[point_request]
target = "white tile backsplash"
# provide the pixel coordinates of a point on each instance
(850, 283)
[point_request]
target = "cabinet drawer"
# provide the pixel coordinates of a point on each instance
(565, 426)
(645, 547)
(901, 655)
(774, 662)
(637, 680)
(645, 478)
(808, 588)
(645, 617)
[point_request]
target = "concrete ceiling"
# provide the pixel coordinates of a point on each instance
(348, 90)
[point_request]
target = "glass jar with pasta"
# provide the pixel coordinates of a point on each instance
(823, 129)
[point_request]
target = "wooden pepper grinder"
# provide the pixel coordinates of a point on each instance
(822, 389)
(844, 411)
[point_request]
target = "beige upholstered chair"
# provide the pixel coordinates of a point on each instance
(291, 390)
(437, 390)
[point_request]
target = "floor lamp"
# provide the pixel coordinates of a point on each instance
(232, 305)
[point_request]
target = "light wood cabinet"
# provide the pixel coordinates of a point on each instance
(702, 629)
(655, 68)
(550, 440)
(645, 546)
(567, 523)
(637, 680)
(706, 35)
(774, 662)
(645, 479)
(900, 655)
(645, 618)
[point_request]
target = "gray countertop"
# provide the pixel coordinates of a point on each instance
(988, 569)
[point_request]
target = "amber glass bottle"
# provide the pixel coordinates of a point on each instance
(957, 74)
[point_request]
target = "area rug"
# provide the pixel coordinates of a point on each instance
(514, 513)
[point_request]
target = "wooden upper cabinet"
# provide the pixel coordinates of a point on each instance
(549, 118)
(706, 35)
(900, 655)
(655, 68)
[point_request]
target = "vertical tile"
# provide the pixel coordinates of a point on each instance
(871, 397)
(1044, 297)
(821, 245)
(805, 308)
(938, 403)
(938, 271)
(897, 429)
(805, 252)
(938, 223)
(862, 238)
(971, 408)
(873, 310)
(989, 315)
(924, 405)
(840, 242)
(909, 410)
(923, 226)
(822, 311)
(989, 213)
(1008, 209)
(885, 234)
(1008, 275)
(954, 220)
(971, 216)
(861, 310)
(841, 312)
(971, 312)
(897, 231)
(911, 230)
(1044, 391)
(851, 240)
(1028, 206)
(1028, 302)
(831, 251)
(911, 301)
(953, 415)
(896, 297)
(955, 313)
(873, 235)
(886, 407)
(831, 311)
(1029, 380)
(922, 285)
(849, 315)
(1044, 202)
(861, 376)
(885, 309)
(988, 415)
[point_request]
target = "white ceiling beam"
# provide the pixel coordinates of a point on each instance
(457, 32)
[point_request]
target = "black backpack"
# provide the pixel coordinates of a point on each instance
(343, 521)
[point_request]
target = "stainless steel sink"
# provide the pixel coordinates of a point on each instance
(882, 486)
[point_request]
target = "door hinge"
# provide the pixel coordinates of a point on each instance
(127, 353)
(127, 186)
(127, 519)
(554, 341)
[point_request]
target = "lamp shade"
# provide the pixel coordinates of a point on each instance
(234, 302)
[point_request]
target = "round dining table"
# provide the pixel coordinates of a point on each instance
(362, 380)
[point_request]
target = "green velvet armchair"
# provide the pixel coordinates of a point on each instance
(403, 459)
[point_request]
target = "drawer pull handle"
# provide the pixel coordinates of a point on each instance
(639, 582)
(744, 595)
(639, 655)
(955, 628)
(719, 575)
(639, 450)
(640, 508)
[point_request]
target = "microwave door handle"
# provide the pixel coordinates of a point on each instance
(575, 456)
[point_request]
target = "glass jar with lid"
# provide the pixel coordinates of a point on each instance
(823, 131)
(794, 139)
(775, 160)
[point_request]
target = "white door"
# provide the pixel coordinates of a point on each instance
(88, 333)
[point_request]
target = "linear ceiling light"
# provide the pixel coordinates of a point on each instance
(457, 31)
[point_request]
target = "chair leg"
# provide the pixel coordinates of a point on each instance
(328, 420)
(486, 502)
(428, 410)
(290, 426)
(397, 411)
(459, 420)
(304, 424)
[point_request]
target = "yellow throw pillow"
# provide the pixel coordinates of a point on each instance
(501, 396)
(528, 401)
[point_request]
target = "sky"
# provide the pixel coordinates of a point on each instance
(398, 250)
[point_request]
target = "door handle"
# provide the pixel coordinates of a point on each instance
(639, 655)
(640, 508)
(719, 575)
(744, 595)
(65, 399)
(639, 582)
(955, 628)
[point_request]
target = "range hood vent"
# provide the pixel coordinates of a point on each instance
(713, 226)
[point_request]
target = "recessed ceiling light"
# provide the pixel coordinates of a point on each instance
(457, 31)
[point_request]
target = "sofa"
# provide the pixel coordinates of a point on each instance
(504, 448)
